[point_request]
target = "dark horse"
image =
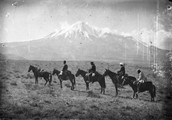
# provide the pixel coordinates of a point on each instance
(83, 74)
(146, 86)
(69, 76)
(114, 78)
(97, 78)
(37, 73)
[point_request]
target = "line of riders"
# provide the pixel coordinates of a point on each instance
(120, 78)
(92, 72)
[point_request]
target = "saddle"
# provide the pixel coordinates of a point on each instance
(41, 73)
(65, 74)
(120, 77)
(90, 76)
(136, 82)
(142, 82)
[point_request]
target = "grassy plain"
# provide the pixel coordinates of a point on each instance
(22, 99)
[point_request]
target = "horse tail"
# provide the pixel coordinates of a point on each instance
(50, 77)
(104, 82)
(74, 80)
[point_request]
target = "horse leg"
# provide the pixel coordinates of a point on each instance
(154, 92)
(72, 87)
(86, 86)
(46, 79)
(153, 99)
(101, 90)
(74, 83)
(151, 94)
(36, 80)
(49, 82)
(134, 93)
(116, 87)
(50, 79)
(137, 95)
(104, 91)
(45, 82)
(60, 83)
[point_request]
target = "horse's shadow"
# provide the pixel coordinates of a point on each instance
(130, 98)
(139, 99)
(82, 91)
(107, 94)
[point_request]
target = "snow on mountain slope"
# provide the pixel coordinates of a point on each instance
(79, 29)
(84, 31)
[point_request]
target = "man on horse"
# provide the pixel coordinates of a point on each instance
(92, 72)
(65, 69)
(141, 79)
(121, 72)
(41, 70)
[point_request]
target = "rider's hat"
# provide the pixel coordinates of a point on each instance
(92, 63)
(122, 64)
(64, 61)
(138, 70)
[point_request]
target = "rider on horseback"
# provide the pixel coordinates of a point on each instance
(40, 70)
(141, 79)
(65, 68)
(92, 71)
(121, 72)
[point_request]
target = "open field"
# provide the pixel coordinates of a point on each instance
(22, 99)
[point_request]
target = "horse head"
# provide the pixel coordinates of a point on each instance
(53, 71)
(128, 79)
(78, 73)
(56, 72)
(30, 68)
(106, 72)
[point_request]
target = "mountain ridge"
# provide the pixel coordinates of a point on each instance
(82, 41)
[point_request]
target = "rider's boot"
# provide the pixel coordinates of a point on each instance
(138, 87)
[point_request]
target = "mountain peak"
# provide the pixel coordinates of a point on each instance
(80, 26)
(80, 23)
(78, 29)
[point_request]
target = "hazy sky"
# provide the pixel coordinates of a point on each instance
(33, 19)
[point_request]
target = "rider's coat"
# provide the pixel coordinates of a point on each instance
(142, 77)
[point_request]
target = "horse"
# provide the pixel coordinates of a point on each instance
(114, 78)
(97, 78)
(37, 73)
(83, 74)
(146, 86)
(68, 76)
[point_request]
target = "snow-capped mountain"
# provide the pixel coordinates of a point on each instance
(82, 41)
(85, 31)
(79, 29)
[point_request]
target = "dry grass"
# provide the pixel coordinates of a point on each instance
(22, 99)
